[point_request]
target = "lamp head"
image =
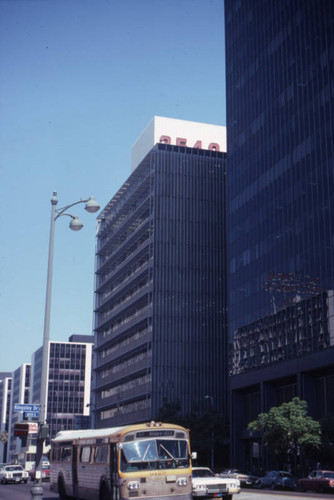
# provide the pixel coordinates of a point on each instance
(75, 223)
(92, 206)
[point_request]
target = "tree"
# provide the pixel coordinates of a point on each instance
(288, 430)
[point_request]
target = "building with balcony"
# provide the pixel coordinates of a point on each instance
(160, 310)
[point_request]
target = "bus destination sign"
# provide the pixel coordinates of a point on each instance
(155, 433)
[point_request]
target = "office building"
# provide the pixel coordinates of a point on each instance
(20, 391)
(160, 313)
(5, 395)
(280, 109)
(69, 381)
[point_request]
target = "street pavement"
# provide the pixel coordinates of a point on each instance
(22, 492)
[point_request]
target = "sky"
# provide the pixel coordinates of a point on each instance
(79, 82)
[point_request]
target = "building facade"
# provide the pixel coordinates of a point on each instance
(5, 397)
(160, 314)
(283, 355)
(280, 109)
(68, 381)
(20, 392)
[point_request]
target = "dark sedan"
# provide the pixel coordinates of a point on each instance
(318, 480)
(279, 479)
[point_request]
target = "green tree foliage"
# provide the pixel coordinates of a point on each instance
(288, 430)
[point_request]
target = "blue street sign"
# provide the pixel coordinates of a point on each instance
(26, 407)
(31, 414)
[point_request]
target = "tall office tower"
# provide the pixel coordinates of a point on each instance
(160, 333)
(69, 381)
(20, 390)
(5, 395)
(280, 112)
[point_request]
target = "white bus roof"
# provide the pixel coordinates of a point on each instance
(86, 433)
(110, 431)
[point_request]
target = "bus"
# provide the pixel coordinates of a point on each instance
(146, 461)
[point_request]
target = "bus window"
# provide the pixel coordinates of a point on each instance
(66, 454)
(56, 455)
(85, 454)
(154, 453)
(101, 454)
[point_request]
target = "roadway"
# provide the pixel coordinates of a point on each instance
(22, 492)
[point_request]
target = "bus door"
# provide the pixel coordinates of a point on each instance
(84, 473)
(115, 495)
(75, 471)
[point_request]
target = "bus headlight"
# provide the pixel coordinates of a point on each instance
(182, 481)
(133, 485)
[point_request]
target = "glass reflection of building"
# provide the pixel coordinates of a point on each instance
(280, 109)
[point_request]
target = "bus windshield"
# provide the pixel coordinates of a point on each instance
(154, 454)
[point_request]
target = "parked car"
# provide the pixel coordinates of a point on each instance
(277, 479)
(45, 472)
(13, 474)
(317, 480)
(207, 484)
(246, 480)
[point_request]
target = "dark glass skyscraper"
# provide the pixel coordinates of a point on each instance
(280, 122)
(160, 320)
(280, 171)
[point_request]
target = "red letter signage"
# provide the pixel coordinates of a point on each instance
(165, 139)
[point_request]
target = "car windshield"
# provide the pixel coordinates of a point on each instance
(153, 454)
(14, 468)
(202, 473)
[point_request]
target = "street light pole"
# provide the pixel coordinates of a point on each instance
(46, 333)
(212, 434)
(91, 206)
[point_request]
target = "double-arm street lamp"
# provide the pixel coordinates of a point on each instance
(75, 224)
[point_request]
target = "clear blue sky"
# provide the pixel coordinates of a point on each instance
(79, 82)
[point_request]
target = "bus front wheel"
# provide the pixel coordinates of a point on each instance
(104, 492)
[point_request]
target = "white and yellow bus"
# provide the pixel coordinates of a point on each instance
(146, 461)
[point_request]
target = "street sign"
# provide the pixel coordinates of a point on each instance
(33, 427)
(31, 414)
(26, 407)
